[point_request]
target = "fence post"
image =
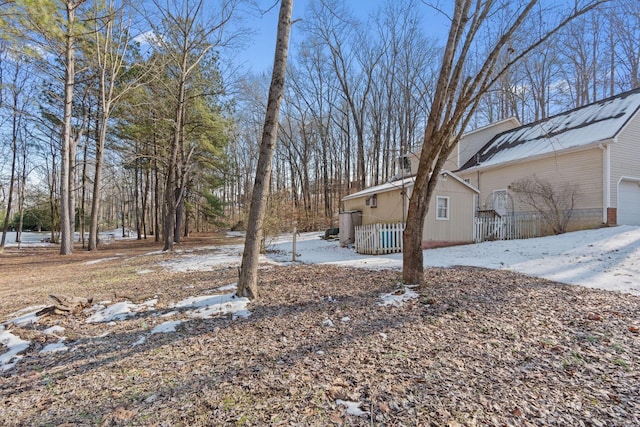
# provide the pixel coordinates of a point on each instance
(293, 249)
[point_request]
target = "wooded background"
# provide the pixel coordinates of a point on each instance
(121, 114)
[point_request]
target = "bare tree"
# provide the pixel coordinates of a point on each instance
(185, 36)
(335, 28)
(555, 203)
(459, 90)
(17, 88)
(626, 30)
(110, 51)
(248, 280)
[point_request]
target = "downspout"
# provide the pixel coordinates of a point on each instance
(606, 180)
(478, 206)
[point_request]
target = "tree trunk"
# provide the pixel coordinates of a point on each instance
(179, 217)
(169, 229)
(66, 236)
(97, 182)
(136, 202)
(83, 198)
(145, 201)
(21, 195)
(248, 280)
(14, 156)
(156, 191)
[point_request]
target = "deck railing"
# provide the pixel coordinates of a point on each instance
(507, 228)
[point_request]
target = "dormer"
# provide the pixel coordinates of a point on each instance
(473, 141)
(407, 165)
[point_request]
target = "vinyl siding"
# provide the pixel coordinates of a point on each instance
(583, 168)
(625, 156)
(473, 141)
(459, 227)
(388, 210)
(469, 145)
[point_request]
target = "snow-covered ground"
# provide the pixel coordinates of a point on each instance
(41, 238)
(607, 258)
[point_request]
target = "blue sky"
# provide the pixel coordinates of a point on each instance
(259, 54)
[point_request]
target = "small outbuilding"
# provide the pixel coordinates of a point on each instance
(450, 219)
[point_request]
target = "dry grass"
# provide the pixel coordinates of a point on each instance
(478, 347)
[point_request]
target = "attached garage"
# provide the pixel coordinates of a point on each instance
(629, 202)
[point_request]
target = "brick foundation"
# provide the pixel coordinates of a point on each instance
(612, 216)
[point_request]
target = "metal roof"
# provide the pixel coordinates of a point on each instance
(600, 121)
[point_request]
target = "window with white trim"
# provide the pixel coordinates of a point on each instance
(372, 201)
(442, 207)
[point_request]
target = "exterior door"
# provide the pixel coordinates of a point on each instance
(629, 202)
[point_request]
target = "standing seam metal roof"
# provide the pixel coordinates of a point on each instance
(600, 121)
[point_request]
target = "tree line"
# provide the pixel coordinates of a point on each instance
(118, 114)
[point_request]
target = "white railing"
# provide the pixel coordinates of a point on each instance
(506, 228)
(378, 239)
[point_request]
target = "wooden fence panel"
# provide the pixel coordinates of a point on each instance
(378, 239)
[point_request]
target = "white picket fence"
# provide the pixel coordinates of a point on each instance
(378, 239)
(506, 228)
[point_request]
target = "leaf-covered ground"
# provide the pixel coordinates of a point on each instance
(477, 347)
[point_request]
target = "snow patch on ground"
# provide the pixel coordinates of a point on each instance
(229, 287)
(55, 347)
(119, 311)
(166, 327)
(15, 345)
(214, 258)
(26, 316)
(606, 258)
(140, 341)
(208, 306)
(99, 260)
(353, 408)
(397, 298)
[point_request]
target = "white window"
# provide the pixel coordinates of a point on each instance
(404, 168)
(442, 207)
(372, 201)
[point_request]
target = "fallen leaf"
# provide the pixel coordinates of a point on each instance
(336, 418)
(123, 414)
(634, 329)
(336, 393)
(594, 316)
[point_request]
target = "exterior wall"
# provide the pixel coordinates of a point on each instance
(414, 159)
(459, 227)
(584, 168)
(625, 156)
(388, 210)
(473, 141)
